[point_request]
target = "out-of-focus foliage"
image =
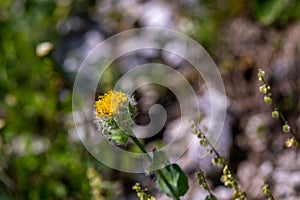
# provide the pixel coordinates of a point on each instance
(37, 158)
(208, 16)
(276, 11)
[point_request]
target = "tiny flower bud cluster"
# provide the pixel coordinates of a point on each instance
(263, 89)
(203, 183)
(261, 75)
(142, 192)
(229, 181)
(266, 91)
(266, 190)
(95, 183)
(202, 139)
(291, 143)
(218, 161)
(227, 178)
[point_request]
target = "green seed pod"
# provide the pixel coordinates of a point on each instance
(215, 161)
(226, 170)
(203, 142)
(268, 99)
(209, 151)
(199, 134)
(195, 130)
(286, 128)
(291, 142)
(275, 114)
(261, 74)
(263, 89)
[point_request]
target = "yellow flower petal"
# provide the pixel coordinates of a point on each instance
(108, 104)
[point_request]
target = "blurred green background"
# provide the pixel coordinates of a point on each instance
(38, 157)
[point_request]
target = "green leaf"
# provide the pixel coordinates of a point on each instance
(210, 197)
(268, 11)
(160, 160)
(176, 179)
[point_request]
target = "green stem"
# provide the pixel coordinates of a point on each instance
(236, 187)
(141, 146)
(205, 185)
(280, 113)
(209, 143)
(159, 172)
(285, 121)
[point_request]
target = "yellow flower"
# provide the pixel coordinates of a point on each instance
(113, 115)
(109, 103)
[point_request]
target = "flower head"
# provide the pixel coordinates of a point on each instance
(113, 115)
(108, 104)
